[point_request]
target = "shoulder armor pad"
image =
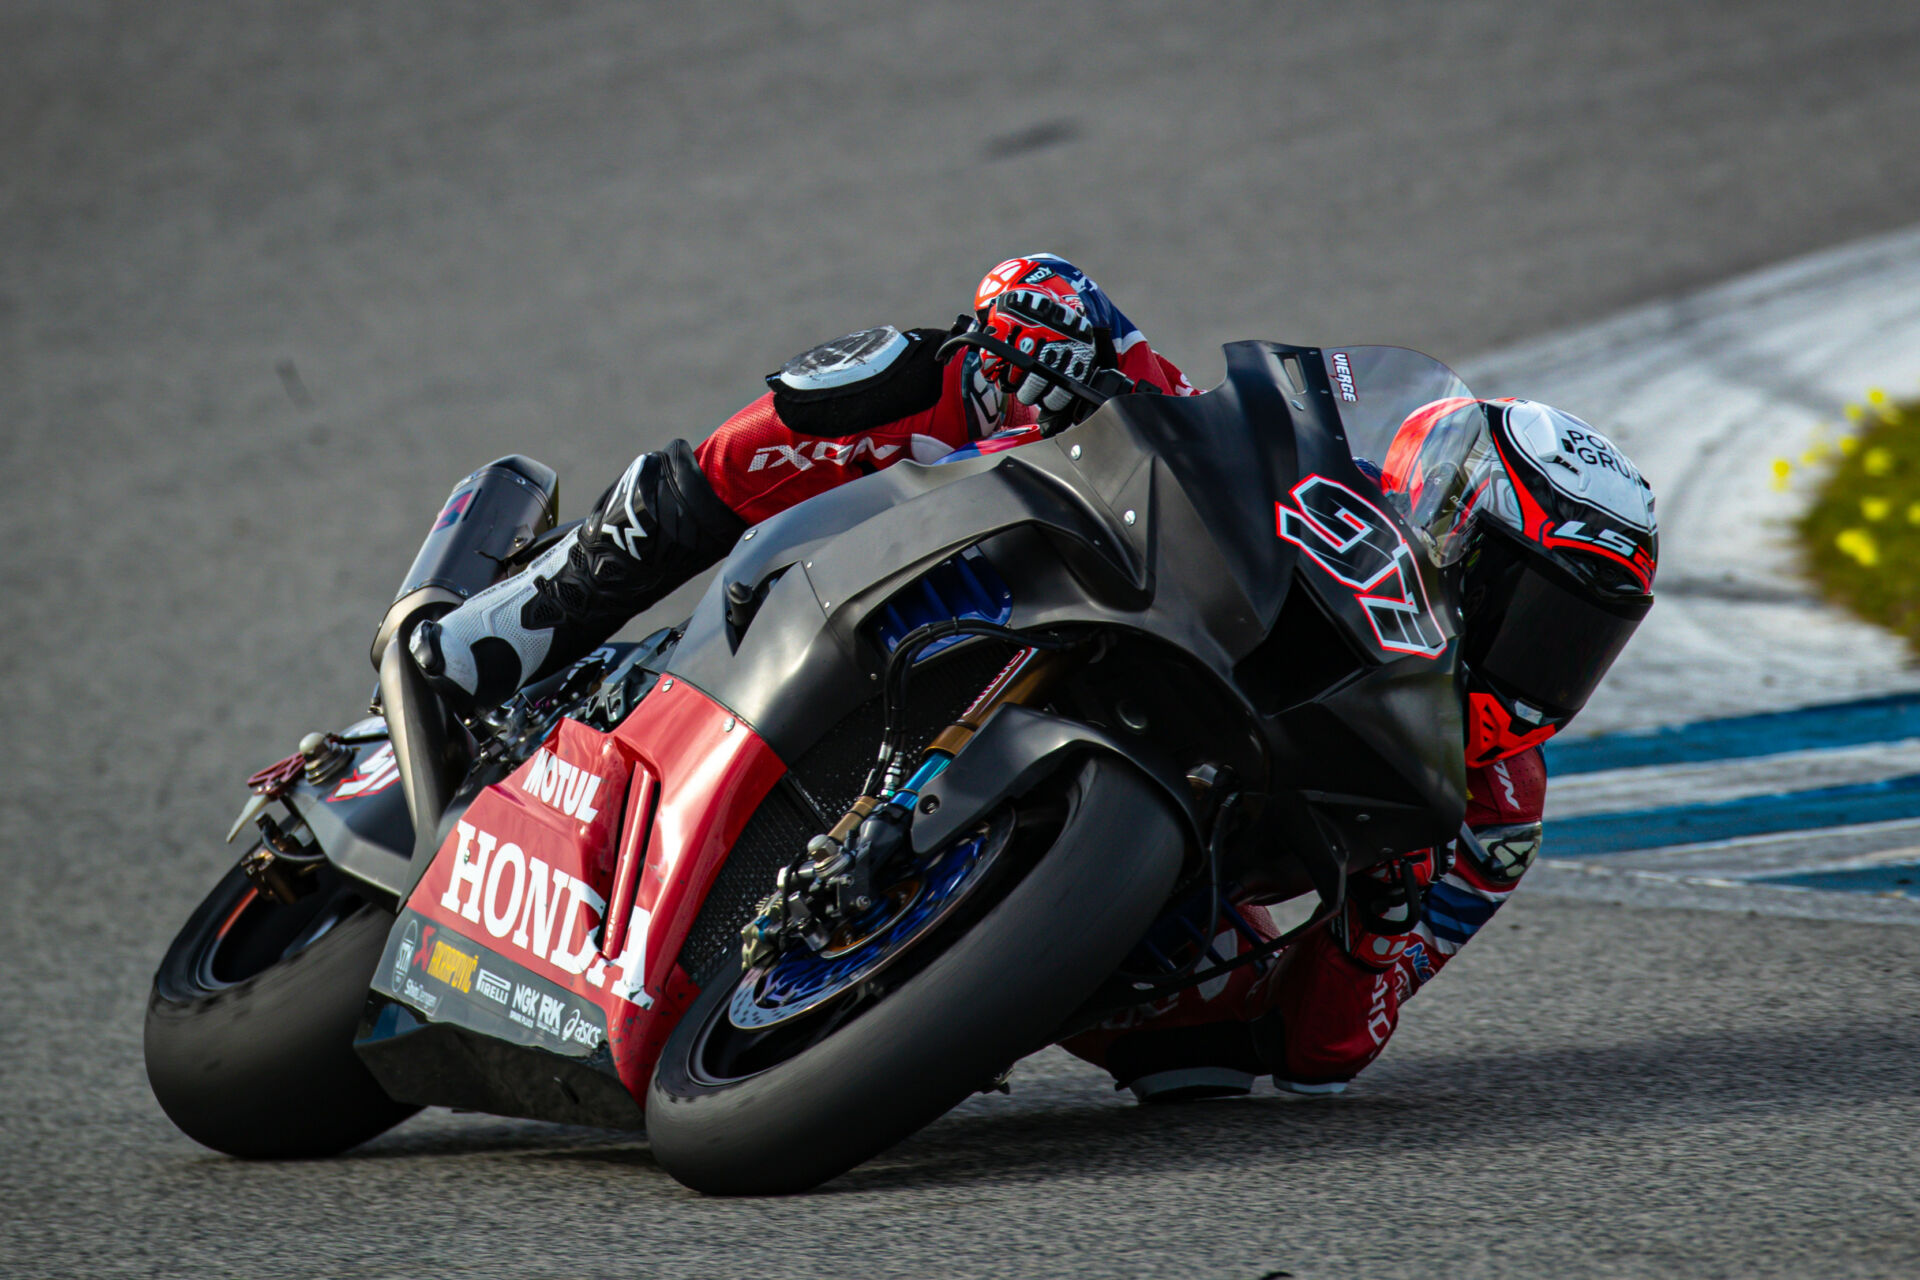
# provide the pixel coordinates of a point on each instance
(866, 354)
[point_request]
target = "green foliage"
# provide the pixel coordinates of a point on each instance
(1861, 538)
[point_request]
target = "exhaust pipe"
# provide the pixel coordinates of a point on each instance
(430, 746)
(494, 513)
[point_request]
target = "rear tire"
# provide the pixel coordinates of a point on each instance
(998, 992)
(250, 1027)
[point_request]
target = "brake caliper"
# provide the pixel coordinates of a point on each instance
(832, 884)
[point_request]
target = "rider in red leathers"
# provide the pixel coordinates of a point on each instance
(1332, 976)
(1552, 533)
(1329, 1006)
(840, 411)
(858, 404)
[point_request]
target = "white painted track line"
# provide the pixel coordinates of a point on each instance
(1711, 782)
(1672, 890)
(1782, 852)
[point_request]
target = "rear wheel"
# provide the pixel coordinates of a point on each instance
(744, 1105)
(250, 1026)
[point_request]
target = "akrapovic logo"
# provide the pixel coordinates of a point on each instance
(452, 966)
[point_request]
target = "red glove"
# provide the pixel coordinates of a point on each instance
(1039, 315)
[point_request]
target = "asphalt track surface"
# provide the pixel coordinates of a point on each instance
(272, 278)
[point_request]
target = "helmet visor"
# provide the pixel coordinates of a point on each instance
(1536, 634)
(1414, 418)
(1441, 469)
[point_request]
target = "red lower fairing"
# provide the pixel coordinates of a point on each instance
(645, 815)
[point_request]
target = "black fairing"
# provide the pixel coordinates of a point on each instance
(1158, 519)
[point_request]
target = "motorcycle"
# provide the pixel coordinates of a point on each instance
(947, 764)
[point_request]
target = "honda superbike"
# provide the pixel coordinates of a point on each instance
(948, 763)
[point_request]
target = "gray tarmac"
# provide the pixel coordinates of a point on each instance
(273, 276)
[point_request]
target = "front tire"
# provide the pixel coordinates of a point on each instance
(998, 992)
(250, 1026)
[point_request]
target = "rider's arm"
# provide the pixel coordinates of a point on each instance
(1504, 805)
(798, 441)
(1142, 363)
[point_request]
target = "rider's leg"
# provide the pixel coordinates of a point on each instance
(1194, 1044)
(660, 524)
(1335, 1000)
(678, 511)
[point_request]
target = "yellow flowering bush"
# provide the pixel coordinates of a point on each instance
(1861, 537)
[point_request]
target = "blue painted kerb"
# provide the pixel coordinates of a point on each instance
(1836, 724)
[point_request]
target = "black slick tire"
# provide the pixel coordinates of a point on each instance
(264, 1067)
(995, 994)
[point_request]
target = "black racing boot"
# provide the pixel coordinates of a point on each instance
(1185, 1064)
(652, 531)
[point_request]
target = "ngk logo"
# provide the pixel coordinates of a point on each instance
(802, 456)
(566, 787)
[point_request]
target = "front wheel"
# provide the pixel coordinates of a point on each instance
(249, 1039)
(734, 1111)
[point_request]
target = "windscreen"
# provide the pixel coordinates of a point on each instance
(1414, 420)
(1377, 388)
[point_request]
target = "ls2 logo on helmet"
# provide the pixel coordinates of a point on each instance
(1576, 531)
(1354, 541)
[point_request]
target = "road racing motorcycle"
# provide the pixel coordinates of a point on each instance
(947, 764)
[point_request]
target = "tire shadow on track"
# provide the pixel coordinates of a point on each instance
(1516, 1101)
(1510, 1101)
(453, 1135)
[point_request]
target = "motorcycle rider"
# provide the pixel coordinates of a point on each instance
(1546, 612)
(844, 409)
(1553, 534)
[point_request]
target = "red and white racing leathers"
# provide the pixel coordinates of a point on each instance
(759, 465)
(1337, 1009)
(1329, 1006)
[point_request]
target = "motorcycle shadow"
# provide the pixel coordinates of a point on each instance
(1521, 1100)
(458, 1133)
(1062, 1122)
